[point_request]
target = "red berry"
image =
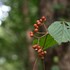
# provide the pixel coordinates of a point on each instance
(42, 53)
(44, 18)
(31, 32)
(31, 35)
(34, 46)
(40, 50)
(38, 22)
(41, 20)
(38, 47)
(36, 30)
(35, 25)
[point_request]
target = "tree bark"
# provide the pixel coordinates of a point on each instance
(29, 40)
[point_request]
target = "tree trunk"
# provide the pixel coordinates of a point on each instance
(29, 40)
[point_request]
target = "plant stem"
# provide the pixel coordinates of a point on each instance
(43, 64)
(45, 27)
(38, 40)
(35, 63)
(41, 32)
(44, 41)
(41, 36)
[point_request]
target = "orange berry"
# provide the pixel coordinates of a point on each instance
(42, 53)
(41, 20)
(38, 47)
(40, 50)
(31, 35)
(44, 18)
(38, 22)
(35, 25)
(34, 46)
(31, 32)
(36, 30)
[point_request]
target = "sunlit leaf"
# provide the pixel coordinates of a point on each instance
(60, 31)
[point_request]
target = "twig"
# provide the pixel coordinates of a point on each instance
(41, 32)
(35, 63)
(41, 36)
(45, 26)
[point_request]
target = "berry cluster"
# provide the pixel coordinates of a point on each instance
(40, 51)
(37, 24)
(37, 47)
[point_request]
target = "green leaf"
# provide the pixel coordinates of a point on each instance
(60, 31)
(48, 43)
(35, 41)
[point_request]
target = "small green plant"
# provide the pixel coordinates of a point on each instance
(58, 32)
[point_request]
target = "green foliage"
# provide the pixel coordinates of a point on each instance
(46, 41)
(60, 31)
(13, 32)
(7, 35)
(49, 42)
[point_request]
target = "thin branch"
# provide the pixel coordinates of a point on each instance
(41, 32)
(41, 36)
(45, 26)
(35, 63)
